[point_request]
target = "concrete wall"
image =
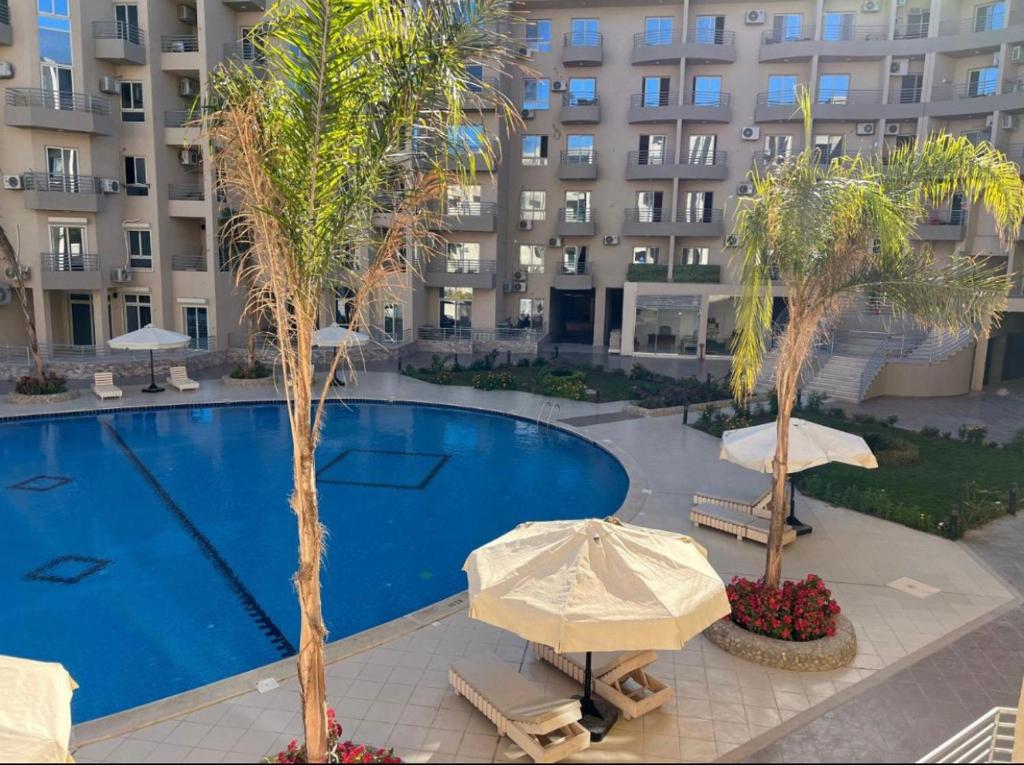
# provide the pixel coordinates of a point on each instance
(951, 377)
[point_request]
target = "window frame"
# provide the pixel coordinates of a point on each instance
(145, 234)
(135, 112)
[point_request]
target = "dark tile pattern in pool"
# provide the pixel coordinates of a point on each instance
(68, 569)
(41, 483)
(436, 462)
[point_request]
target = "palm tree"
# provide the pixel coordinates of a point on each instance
(12, 266)
(303, 144)
(830, 231)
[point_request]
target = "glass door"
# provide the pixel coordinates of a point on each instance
(648, 206)
(707, 91)
(658, 30)
(983, 82)
(698, 206)
(127, 18)
(656, 91)
(702, 149)
(652, 149)
(58, 84)
(62, 169)
(197, 327)
(585, 32)
(80, 312)
(709, 30)
(394, 321)
(456, 308)
(67, 246)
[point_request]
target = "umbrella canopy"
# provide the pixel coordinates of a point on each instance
(149, 338)
(595, 585)
(336, 336)
(810, 445)
(35, 711)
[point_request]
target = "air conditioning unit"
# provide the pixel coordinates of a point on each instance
(555, 241)
(188, 88)
(756, 16)
(13, 183)
(5, 295)
(571, 251)
(1017, 54)
(190, 157)
(732, 241)
(187, 14)
(871, 6)
(110, 85)
(518, 286)
(110, 186)
(527, 114)
(524, 52)
(519, 276)
(22, 272)
(1009, 122)
(558, 86)
(121, 275)
(899, 66)
(866, 128)
(611, 240)
(745, 190)
(526, 225)
(750, 133)
(6, 70)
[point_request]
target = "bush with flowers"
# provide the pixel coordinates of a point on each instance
(337, 750)
(799, 610)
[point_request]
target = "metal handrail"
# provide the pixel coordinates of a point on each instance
(85, 353)
(177, 118)
(777, 99)
(574, 99)
(574, 215)
(953, 91)
(683, 215)
(655, 39)
(987, 739)
(582, 39)
(462, 209)
(243, 51)
(908, 31)
(967, 26)
(67, 184)
(786, 35)
(63, 262)
(574, 269)
(710, 36)
(450, 265)
(192, 192)
(842, 96)
(667, 157)
(707, 99)
(945, 217)
(654, 100)
(190, 262)
(179, 43)
(905, 95)
(577, 157)
(481, 335)
(52, 99)
(118, 30)
(857, 32)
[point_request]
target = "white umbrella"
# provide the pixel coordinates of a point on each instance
(35, 711)
(595, 585)
(337, 336)
(150, 338)
(810, 445)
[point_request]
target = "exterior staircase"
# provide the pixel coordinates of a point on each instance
(840, 377)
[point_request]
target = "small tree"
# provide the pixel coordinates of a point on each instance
(304, 144)
(812, 224)
(12, 267)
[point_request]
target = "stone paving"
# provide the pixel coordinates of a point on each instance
(397, 694)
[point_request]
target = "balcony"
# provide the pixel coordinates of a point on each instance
(577, 165)
(648, 108)
(862, 105)
(788, 44)
(178, 128)
(48, 110)
(583, 49)
(968, 37)
(943, 226)
(6, 36)
(242, 52)
(190, 262)
(579, 110)
(776, 107)
(655, 221)
(461, 272)
(474, 101)
(63, 271)
(691, 274)
(471, 216)
(180, 53)
(977, 99)
(246, 5)
(186, 200)
(710, 46)
(574, 221)
(118, 42)
(573, 276)
(62, 193)
(904, 103)
(663, 166)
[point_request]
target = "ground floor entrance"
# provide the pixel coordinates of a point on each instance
(1005, 358)
(571, 316)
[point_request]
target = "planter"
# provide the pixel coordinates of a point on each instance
(44, 398)
(669, 410)
(247, 382)
(812, 656)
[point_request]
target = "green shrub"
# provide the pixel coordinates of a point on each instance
(640, 373)
(257, 371)
(836, 412)
(563, 383)
(494, 381)
(1016, 443)
(814, 402)
(523, 363)
(30, 386)
(540, 361)
(972, 434)
(929, 432)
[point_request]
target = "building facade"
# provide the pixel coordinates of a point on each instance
(607, 220)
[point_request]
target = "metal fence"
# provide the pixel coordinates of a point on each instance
(59, 100)
(118, 30)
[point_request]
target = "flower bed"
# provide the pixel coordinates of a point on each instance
(337, 750)
(52, 383)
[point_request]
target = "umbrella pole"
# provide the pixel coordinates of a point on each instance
(792, 520)
(153, 387)
(587, 702)
(597, 718)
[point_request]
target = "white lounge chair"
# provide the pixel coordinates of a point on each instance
(544, 726)
(177, 377)
(733, 520)
(103, 386)
(619, 677)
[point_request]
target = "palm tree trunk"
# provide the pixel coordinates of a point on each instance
(250, 343)
(11, 258)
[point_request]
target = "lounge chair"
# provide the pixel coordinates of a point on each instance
(544, 726)
(734, 521)
(620, 678)
(103, 386)
(177, 377)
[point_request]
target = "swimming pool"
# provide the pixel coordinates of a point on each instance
(151, 552)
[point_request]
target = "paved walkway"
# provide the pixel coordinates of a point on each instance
(396, 694)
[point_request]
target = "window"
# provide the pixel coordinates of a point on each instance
(585, 32)
(54, 25)
(778, 145)
(132, 108)
(646, 254)
(127, 18)
(698, 207)
(916, 25)
(709, 30)
(782, 89)
(577, 206)
(707, 91)
(910, 86)
(138, 311)
(656, 91)
(464, 200)
(140, 248)
(135, 179)
(787, 27)
(695, 256)
(456, 307)
(983, 81)
(582, 91)
(67, 248)
(532, 205)
(648, 206)
(536, 93)
(833, 88)
(535, 150)
(989, 17)
(467, 138)
(197, 326)
(837, 26)
(702, 149)
(531, 313)
(538, 35)
(250, 42)
(463, 258)
(476, 73)
(574, 260)
(394, 321)
(652, 150)
(658, 30)
(579, 149)
(828, 147)
(531, 258)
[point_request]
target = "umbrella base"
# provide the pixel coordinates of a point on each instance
(337, 381)
(599, 719)
(153, 389)
(800, 528)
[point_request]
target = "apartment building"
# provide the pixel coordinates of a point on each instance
(607, 220)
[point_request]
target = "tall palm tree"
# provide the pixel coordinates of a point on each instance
(830, 231)
(303, 144)
(12, 265)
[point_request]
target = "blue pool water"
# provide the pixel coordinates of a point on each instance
(151, 552)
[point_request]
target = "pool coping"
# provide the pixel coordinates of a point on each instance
(121, 723)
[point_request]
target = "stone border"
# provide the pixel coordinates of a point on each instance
(813, 656)
(46, 398)
(665, 411)
(247, 382)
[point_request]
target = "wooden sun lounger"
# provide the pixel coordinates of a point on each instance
(743, 525)
(103, 386)
(620, 677)
(544, 726)
(177, 377)
(760, 507)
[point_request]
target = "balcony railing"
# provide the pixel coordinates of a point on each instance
(582, 40)
(710, 36)
(963, 90)
(652, 39)
(5, 13)
(969, 26)
(910, 30)
(466, 209)
(60, 101)
(653, 100)
(990, 738)
(663, 215)
(841, 96)
(707, 99)
(660, 99)
(177, 118)
(179, 43)
(479, 335)
(776, 99)
(667, 157)
(188, 192)
(243, 51)
(945, 217)
(576, 214)
(905, 95)
(450, 265)
(118, 30)
(788, 35)
(577, 157)
(190, 262)
(57, 182)
(854, 33)
(574, 269)
(66, 262)
(577, 99)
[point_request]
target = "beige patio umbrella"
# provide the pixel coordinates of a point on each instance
(35, 711)
(150, 338)
(810, 445)
(595, 585)
(337, 336)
